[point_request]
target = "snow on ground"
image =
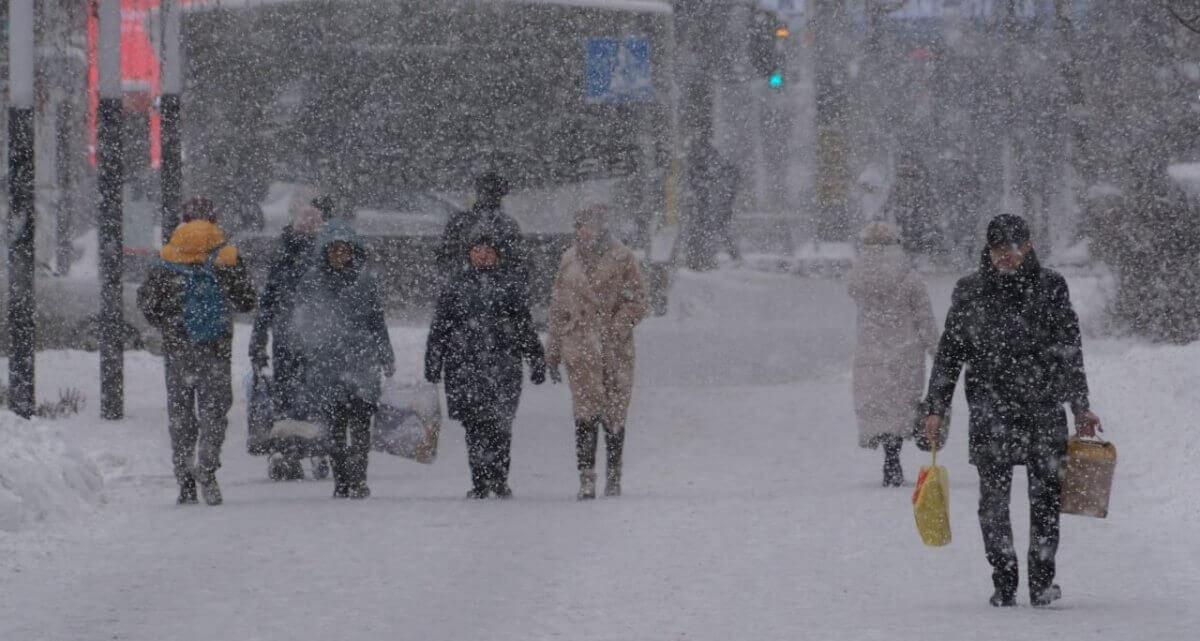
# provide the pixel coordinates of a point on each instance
(749, 513)
(43, 478)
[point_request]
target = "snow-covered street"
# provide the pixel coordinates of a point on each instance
(749, 512)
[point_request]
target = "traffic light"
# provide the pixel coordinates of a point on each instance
(767, 47)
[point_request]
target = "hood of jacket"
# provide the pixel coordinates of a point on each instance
(192, 242)
(339, 230)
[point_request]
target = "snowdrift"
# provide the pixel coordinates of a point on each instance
(42, 478)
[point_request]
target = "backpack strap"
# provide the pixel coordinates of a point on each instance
(212, 256)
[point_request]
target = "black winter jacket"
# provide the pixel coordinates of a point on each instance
(481, 332)
(1018, 337)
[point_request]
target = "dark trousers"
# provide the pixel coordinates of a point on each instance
(199, 394)
(489, 445)
(348, 425)
(995, 487)
(587, 436)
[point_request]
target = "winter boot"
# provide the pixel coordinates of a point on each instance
(358, 491)
(476, 493)
(187, 493)
(587, 485)
(503, 491)
(612, 482)
(208, 487)
(893, 474)
(1002, 599)
(1046, 596)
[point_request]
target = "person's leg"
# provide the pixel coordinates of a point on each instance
(214, 396)
(995, 487)
(181, 424)
(335, 417)
(614, 443)
(893, 473)
(476, 445)
(358, 450)
(586, 436)
(1045, 501)
(500, 455)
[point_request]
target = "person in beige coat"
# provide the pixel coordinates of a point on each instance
(896, 329)
(599, 296)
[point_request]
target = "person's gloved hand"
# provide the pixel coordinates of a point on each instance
(388, 369)
(433, 374)
(555, 375)
(538, 375)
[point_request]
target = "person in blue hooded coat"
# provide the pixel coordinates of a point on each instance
(339, 331)
(482, 332)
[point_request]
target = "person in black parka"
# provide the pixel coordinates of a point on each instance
(452, 257)
(481, 332)
(274, 320)
(1011, 324)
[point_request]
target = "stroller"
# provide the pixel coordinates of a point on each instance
(286, 436)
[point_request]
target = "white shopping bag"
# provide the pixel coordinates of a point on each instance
(408, 421)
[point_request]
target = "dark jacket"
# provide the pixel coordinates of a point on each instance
(465, 226)
(1018, 337)
(160, 297)
(274, 318)
(338, 326)
(481, 332)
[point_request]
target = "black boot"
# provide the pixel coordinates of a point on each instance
(587, 433)
(1046, 596)
(615, 445)
(1003, 599)
(893, 474)
(187, 493)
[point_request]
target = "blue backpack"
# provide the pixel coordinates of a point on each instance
(205, 312)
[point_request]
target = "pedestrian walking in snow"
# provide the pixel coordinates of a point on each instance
(896, 329)
(912, 205)
(490, 190)
(1011, 324)
(274, 322)
(342, 341)
(599, 297)
(481, 332)
(189, 295)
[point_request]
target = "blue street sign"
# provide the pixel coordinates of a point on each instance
(618, 70)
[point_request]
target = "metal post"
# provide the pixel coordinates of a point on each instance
(64, 166)
(169, 107)
(21, 215)
(111, 179)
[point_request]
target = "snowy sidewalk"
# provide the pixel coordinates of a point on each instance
(749, 513)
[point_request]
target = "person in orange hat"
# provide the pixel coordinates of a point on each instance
(189, 295)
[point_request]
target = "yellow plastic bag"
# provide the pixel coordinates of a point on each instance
(931, 504)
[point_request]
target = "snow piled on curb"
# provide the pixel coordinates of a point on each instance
(42, 478)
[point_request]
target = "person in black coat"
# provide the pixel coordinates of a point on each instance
(490, 190)
(274, 320)
(481, 332)
(1011, 324)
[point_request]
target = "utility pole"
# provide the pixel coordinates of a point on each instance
(830, 85)
(21, 214)
(169, 107)
(111, 179)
